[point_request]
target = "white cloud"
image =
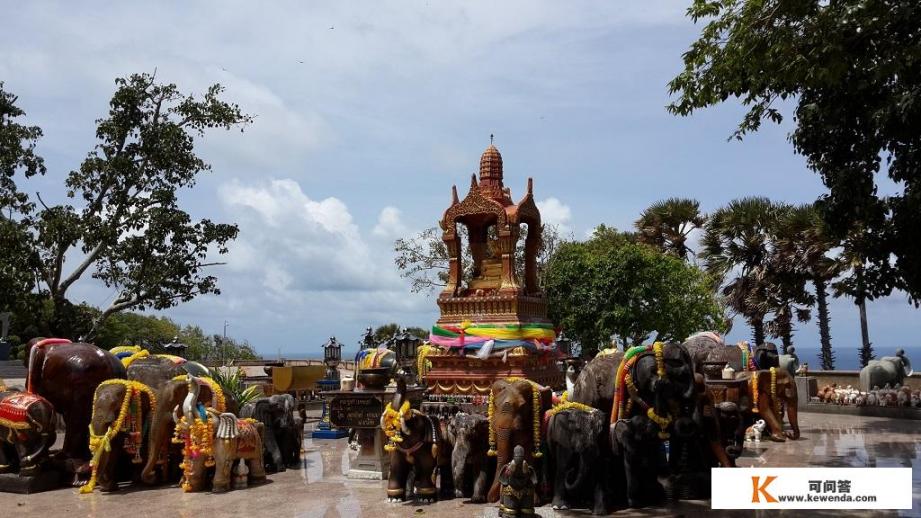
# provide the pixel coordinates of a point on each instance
(390, 224)
(554, 212)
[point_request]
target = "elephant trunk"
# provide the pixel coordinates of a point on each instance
(581, 468)
(503, 457)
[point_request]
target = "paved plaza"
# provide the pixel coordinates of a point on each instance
(321, 490)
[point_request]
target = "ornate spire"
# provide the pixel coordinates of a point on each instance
(491, 171)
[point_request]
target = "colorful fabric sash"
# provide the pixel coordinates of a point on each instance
(471, 336)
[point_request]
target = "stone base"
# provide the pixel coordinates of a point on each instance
(362, 474)
(333, 433)
(44, 481)
(806, 388)
(469, 375)
(892, 412)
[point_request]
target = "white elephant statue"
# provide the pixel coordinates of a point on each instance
(888, 370)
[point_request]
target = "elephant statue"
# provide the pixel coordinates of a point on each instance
(764, 394)
(888, 370)
(414, 441)
(699, 345)
(469, 435)
(573, 438)
(225, 440)
(67, 374)
(161, 451)
(789, 361)
(282, 440)
(741, 357)
(637, 443)
(27, 432)
(516, 409)
(119, 430)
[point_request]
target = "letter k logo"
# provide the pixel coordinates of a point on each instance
(769, 498)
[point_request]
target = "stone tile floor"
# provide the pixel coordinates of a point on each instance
(321, 490)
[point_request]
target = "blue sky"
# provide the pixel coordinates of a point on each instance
(368, 112)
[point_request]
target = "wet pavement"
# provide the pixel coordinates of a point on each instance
(321, 490)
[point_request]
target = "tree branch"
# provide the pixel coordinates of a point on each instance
(78, 272)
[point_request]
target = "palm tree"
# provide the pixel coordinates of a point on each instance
(803, 245)
(855, 250)
(666, 224)
(737, 241)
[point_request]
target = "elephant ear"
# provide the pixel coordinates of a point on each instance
(262, 410)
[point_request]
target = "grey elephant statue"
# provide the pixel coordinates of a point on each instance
(470, 466)
(282, 440)
(574, 436)
(789, 361)
(888, 370)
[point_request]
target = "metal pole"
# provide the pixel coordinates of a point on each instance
(224, 346)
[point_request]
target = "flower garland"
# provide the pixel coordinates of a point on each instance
(422, 354)
(754, 390)
(535, 405)
(774, 391)
(197, 437)
(567, 405)
(624, 386)
(128, 420)
(391, 426)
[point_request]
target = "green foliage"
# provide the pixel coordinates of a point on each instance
(128, 328)
(851, 71)
(231, 382)
(666, 225)
(386, 332)
(214, 348)
(610, 286)
(123, 217)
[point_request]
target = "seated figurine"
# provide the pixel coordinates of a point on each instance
(518, 480)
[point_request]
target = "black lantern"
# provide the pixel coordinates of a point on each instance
(175, 347)
(332, 355)
(405, 345)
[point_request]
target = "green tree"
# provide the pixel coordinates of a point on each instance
(610, 286)
(128, 328)
(736, 242)
(850, 72)
(17, 157)
(666, 225)
(125, 224)
(803, 245)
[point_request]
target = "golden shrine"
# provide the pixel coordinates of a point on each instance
(493, 320)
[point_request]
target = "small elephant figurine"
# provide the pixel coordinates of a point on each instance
(27, 432)
(469, 434)
(754, 432)
(517, 480)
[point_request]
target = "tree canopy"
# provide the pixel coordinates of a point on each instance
(123, 221)
(850, 72)
(611, 286)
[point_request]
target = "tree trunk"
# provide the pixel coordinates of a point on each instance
(758, 330)
(826, 356)
(866, 349)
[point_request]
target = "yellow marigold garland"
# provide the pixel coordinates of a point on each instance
(660, 359)
(100, 443)
(535, 403)
(422, 363)
(754, 385)
(197, 437)
(774, 391)
(390, 424)
(567, 405)
(218, 402)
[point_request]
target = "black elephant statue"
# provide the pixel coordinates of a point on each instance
(282, 441)
(67, 374)
(888, 370)
(516, 409)
(656, 386)
(470, 464)
(27, 432)
(414, 441)
(574, 436)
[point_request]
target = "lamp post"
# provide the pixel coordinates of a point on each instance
(405, 345)
(332, 356)
(564, 344)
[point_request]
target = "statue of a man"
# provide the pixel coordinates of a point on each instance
(518, 481)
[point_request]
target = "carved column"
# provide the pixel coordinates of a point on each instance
(508, 237)
(455, 263)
